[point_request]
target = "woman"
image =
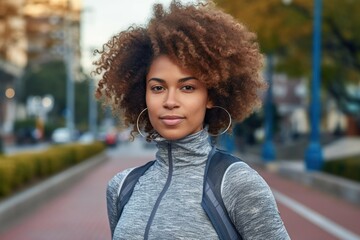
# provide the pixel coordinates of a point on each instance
(178, 80)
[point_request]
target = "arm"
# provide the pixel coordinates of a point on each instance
(251, 204)
(112, 194)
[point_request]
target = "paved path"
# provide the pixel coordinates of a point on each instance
(80, 211)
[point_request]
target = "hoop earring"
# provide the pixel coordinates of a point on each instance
(137, 123)
(229, 125)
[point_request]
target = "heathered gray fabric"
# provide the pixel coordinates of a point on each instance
(180, 215)
(251, 204)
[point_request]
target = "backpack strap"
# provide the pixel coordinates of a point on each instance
(212, 203)
(128, 185)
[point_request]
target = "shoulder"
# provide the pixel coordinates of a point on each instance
(243, 186)
(251, 204)
(114, 184)
(241, 176)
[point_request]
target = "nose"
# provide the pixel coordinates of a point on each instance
(171, 101)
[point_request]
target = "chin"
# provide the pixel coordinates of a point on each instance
(175, 134)
(173, 137)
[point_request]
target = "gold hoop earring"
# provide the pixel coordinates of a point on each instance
(137, 123)
(229, 125)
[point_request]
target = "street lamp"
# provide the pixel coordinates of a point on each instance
(268, 151)
(92, 108)
(70, 95)
(313, 155)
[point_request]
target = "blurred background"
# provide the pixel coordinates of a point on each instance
(46, 51)
(310, 118)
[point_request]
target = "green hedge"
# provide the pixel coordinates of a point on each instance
(19, 169)
(347, 167)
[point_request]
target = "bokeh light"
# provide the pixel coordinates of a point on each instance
(10, 93)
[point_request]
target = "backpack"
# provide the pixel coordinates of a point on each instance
(212, 203)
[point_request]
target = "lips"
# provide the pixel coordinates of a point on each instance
(171, 120)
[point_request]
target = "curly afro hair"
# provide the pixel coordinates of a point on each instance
(218, 50)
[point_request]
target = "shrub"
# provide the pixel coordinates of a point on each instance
(19, 169)
(347, 167)
(7, 171)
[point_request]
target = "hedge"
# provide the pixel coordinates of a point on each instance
(20, 169)
(347, 167)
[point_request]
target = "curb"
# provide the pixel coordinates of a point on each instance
(340, 187)
(23, 203)
(334, 185)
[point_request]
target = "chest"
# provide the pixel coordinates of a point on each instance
(179, 214)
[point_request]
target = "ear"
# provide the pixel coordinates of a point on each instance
(209, 104)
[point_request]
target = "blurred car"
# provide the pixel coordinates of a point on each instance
(61, 135)
(26, 136)
(86, 137)
(111, 138)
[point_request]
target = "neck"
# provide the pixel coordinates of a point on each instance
(188, 151)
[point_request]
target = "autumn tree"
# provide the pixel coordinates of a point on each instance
(284, 28)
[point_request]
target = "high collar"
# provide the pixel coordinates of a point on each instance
(191, 150)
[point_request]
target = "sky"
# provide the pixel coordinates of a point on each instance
(103, 19)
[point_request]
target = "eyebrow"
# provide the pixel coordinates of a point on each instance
(181, 80)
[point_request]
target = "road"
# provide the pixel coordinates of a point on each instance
(80, 211)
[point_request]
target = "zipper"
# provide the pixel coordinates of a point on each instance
(162, 193)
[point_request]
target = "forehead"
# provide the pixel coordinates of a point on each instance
(164, 66)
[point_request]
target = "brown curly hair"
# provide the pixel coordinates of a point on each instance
(218, 50)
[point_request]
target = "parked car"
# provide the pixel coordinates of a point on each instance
(111, 138)
(61, 135)
(26, 136)
(87, 137)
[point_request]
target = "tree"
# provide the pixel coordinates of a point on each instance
(286, 30)
(50, 78)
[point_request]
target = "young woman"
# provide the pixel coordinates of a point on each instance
(182, 77)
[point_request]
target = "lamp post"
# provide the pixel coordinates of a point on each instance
(92, 109)
(313, 155)
(70, 95)
(268, 151)
(2, 98)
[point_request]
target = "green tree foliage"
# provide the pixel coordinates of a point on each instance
(286, 30)
(50, 78)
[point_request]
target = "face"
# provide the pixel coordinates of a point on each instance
(175, 99)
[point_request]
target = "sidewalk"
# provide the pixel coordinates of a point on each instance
(79, 212)
(311, 214)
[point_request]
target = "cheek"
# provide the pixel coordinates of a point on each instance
(151, 108)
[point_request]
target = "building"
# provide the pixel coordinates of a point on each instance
(290, 97)
(13, 57)
(53, 32)
(33, 32)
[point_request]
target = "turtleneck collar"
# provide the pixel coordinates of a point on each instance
(191, 150)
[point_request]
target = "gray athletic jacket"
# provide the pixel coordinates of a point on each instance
(166, 202)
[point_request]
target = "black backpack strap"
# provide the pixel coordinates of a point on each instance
(212, 203)
(128, 185)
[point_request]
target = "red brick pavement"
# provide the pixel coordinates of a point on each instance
(335, 209)
(77, 213)
(80, 212)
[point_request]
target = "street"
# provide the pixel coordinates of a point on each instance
(79, 212)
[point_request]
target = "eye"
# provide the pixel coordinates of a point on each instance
(188, 88)
(157, 88)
